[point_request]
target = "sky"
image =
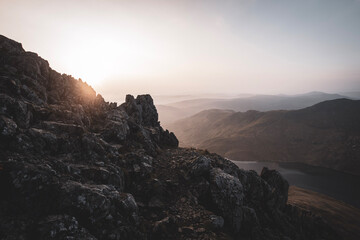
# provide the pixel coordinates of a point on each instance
(168, 47)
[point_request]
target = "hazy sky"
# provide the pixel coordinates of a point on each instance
(182, 47)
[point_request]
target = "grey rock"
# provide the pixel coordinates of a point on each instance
(200, 166)
(227, 194)
(95, 203)
(217, 221)
(279, 187)
(116, 131)
(148, 111)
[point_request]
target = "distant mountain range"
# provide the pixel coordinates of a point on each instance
(325, 134)
(169, 113)
(352, 95)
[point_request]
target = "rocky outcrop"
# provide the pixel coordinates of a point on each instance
(279, 188)
(142, 110)
(73, 166)
(227, 194)
(63, 151)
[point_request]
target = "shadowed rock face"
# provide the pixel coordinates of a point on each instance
(73, 166)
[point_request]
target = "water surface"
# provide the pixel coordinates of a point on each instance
(339, 185)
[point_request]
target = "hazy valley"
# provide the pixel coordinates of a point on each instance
(326, 134)
(172, 109)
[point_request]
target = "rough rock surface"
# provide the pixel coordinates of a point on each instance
(73, 166)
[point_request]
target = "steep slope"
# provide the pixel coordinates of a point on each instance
(73, 166)
(326, 134)
(343, 217)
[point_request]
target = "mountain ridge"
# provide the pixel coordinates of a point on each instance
(73, 166)
(174, 111)
(325, 134)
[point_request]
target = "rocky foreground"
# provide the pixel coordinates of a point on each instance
(73, 166)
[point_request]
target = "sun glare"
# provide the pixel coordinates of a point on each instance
(97, 57)
(92, 60)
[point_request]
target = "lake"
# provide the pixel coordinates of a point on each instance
(339, 185)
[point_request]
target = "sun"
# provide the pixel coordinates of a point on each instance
(97, 56)
(92, 60)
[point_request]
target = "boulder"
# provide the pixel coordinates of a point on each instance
(258, 191)
(101, 208)
(200, 166)
(148, 110)
(279, 188)
(227, 195)
(142, 109)
(116, 131)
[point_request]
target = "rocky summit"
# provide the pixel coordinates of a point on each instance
(73, 166)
